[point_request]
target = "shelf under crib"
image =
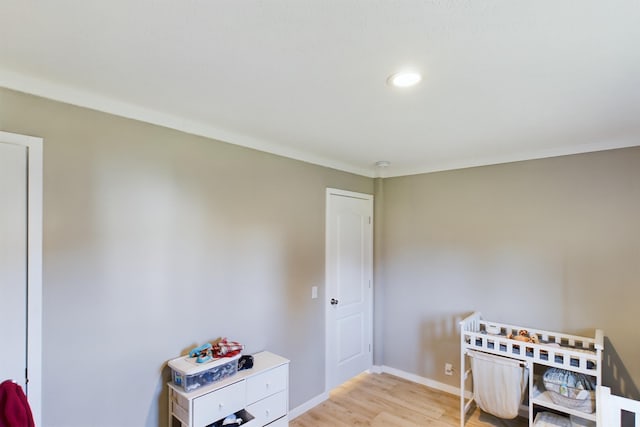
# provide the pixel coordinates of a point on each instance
(541, 398)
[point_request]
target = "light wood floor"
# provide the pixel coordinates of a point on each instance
(379, 400)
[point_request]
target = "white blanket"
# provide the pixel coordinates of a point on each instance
(498, 384)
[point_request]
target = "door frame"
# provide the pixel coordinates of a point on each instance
(34, 267)
(337, 192)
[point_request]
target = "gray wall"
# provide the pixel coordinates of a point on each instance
(552, 244)
(155, 241)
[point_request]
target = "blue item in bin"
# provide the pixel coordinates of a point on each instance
(203, 353)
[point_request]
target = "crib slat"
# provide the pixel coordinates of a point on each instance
(611, 408)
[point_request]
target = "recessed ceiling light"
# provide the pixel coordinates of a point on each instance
(404, 79)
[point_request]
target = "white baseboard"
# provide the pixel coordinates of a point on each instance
(379, 369)
(421, 380)
(308, 405)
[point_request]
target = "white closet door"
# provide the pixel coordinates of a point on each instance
(13, 262)
(349, 274)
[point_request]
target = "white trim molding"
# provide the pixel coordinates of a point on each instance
(34, 268)
(308, 405)
(106, 104)
(376, 370)
(421, 380)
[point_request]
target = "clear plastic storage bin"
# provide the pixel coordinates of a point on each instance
(189, 375)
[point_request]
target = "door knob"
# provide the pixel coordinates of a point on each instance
(334, 301)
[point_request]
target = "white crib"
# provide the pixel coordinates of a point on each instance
(612, 407)
(569, 352)
(578, 354)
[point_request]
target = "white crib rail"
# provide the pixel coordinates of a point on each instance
(580, 354)
(612, 406)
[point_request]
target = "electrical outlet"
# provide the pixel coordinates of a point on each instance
(448, 369)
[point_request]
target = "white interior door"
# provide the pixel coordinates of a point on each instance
(21, 265)
(13, 263)
(349, 287)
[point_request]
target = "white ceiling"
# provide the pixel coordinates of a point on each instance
(504, 80)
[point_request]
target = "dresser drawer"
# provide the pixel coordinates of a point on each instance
(267, 383)
(218, 404)
(280, 422)
(269, 409)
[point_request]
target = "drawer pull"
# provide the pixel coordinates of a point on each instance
(267, 413)
(267, 385)
(220, 405)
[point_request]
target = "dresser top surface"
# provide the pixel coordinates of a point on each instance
(262, 361)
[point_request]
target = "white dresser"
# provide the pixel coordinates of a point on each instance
(260, 393)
